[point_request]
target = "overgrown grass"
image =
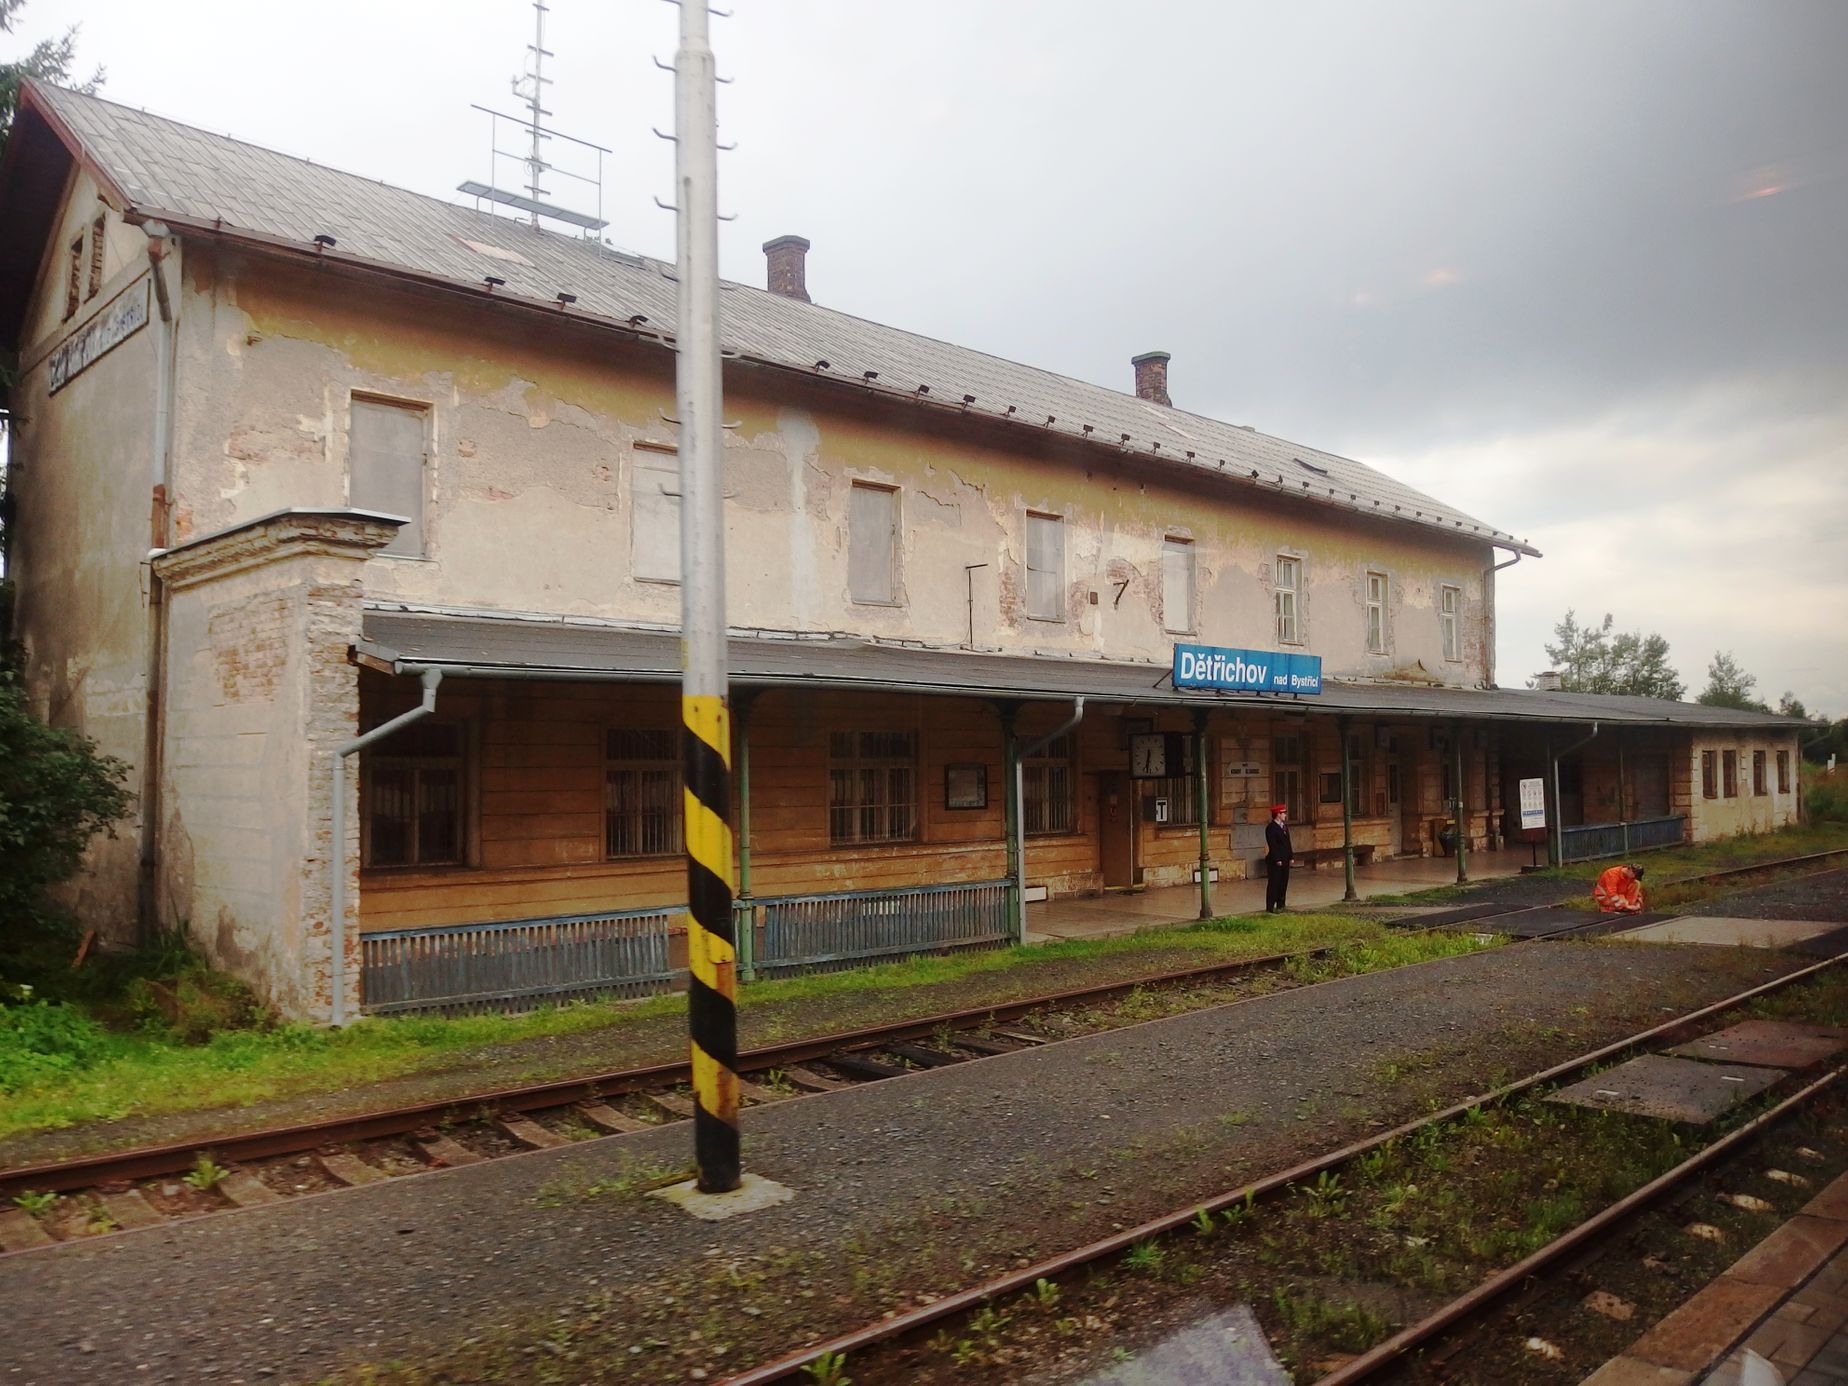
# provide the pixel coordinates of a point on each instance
(150, 1068)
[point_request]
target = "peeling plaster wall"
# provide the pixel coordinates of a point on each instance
(81, 479)
(531, 468)
(1746, 812)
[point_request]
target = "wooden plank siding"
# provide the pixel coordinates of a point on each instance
(536, 793)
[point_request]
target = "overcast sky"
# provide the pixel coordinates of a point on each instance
(1578, 268)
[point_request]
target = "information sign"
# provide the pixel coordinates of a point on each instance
(1533, 803)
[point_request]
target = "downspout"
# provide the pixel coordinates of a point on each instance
(337, 856)
(1559, 811)
(1342, 730)
(160, 537)
(1488, 593)
(1032, 748)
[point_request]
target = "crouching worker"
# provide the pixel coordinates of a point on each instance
(1620, 890)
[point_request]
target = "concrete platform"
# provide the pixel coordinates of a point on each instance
(1726, 931)
(1108, 915)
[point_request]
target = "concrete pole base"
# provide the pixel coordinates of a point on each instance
(754, 1193)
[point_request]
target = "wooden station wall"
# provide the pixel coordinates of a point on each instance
(536, 789)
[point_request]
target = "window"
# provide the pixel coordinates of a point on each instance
(1177, 584)
(1045, 567)
(1357, 774)
(1287, 776)
(97, 228)
(413, 796)
(1783, 772)
(1376, 613)
(872, 544)
(1331, 787)
(385, 467)
(1289, 600)
(1709, 775)
(872, 786)
(654, 512)
(73, 285)
(1729, 774)
(1049, 789)
(643, 815)
(1758, 773)
(1450, 606)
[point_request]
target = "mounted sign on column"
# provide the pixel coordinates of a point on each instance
(1246, 671)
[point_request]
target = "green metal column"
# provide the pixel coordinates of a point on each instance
(747, 927)
(1462, 806)
(1010, 750)
(1200, 804)
(1347, 809)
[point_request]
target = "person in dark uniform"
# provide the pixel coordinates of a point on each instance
(1277, 853)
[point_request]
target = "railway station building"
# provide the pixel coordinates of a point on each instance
(296, 453)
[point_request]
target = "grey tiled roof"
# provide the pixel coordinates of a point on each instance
(192, 175)
(526, 646)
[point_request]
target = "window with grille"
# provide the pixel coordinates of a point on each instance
(654, 512)
(1758, 773)
(1177, 584)
(643, 813)
(1376, 613)
(872, 786)
(1709, 775)
(385, 463)
(872, 544)
(413, 790)
(73, 284)
(1449, 609)
(1045, 567)
(1049, 789)
(1729, 774)
(1783, 772)
(97, 228)
(1289, 595)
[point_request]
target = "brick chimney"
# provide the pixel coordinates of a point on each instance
(788, 267)
(1152, 376)
(1548, 682)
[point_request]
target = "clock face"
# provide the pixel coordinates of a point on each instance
(1148, 755)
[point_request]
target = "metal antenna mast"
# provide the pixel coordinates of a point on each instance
(532, 87)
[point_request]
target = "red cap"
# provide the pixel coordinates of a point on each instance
(1280, 808)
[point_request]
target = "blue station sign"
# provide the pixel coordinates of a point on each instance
(1246, 671)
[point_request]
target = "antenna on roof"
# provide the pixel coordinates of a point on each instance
(530, 88)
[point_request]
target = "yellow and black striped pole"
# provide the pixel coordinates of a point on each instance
(712, 1017)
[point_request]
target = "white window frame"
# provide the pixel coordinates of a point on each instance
(654, 529)
(1288, 597)
(412, 540)
(1379, 640)
(1053, 609)
(894, 521)
(1450, 621)
(1179, 570)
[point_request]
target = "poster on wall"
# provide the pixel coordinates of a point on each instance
(1533, 803)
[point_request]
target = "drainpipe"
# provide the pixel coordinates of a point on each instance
(337, 857)
(160, 538)
(747, 932)
(1032, 748)
(1488, 592)
(1559, 826)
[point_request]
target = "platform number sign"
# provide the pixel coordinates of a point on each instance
(1533, 803)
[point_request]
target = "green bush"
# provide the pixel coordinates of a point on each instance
(45, 1040)
(193, 1003)
(1827, 801)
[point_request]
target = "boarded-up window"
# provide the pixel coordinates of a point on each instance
(872, 544)
(1783, 772)
(385, 465)
(73, 284)
(643, 813)
(1709, 775)
(1049, 788)
(412, 794)
(1376, 613)
(1758, 773)
(655, 513)
(1729, 774)
(1450, 608)
(1288, 590)
(98, 228)
(872, 786)
(1045, 567)
(1177, 584)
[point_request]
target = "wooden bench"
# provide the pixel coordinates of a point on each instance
(1314, 856)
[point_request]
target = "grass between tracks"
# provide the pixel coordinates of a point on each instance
(148, 1071)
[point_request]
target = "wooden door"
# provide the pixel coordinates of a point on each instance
(1116, 829)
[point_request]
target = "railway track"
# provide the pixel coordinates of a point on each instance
(146, 1186)
(1463, 1310)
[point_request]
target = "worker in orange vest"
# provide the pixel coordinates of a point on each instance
(1620, 890)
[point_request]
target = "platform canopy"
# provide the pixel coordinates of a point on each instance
(475, 645)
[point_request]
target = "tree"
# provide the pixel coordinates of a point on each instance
(1791, 706)
(1600, 659)
(1730, 686)
(50, 60)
